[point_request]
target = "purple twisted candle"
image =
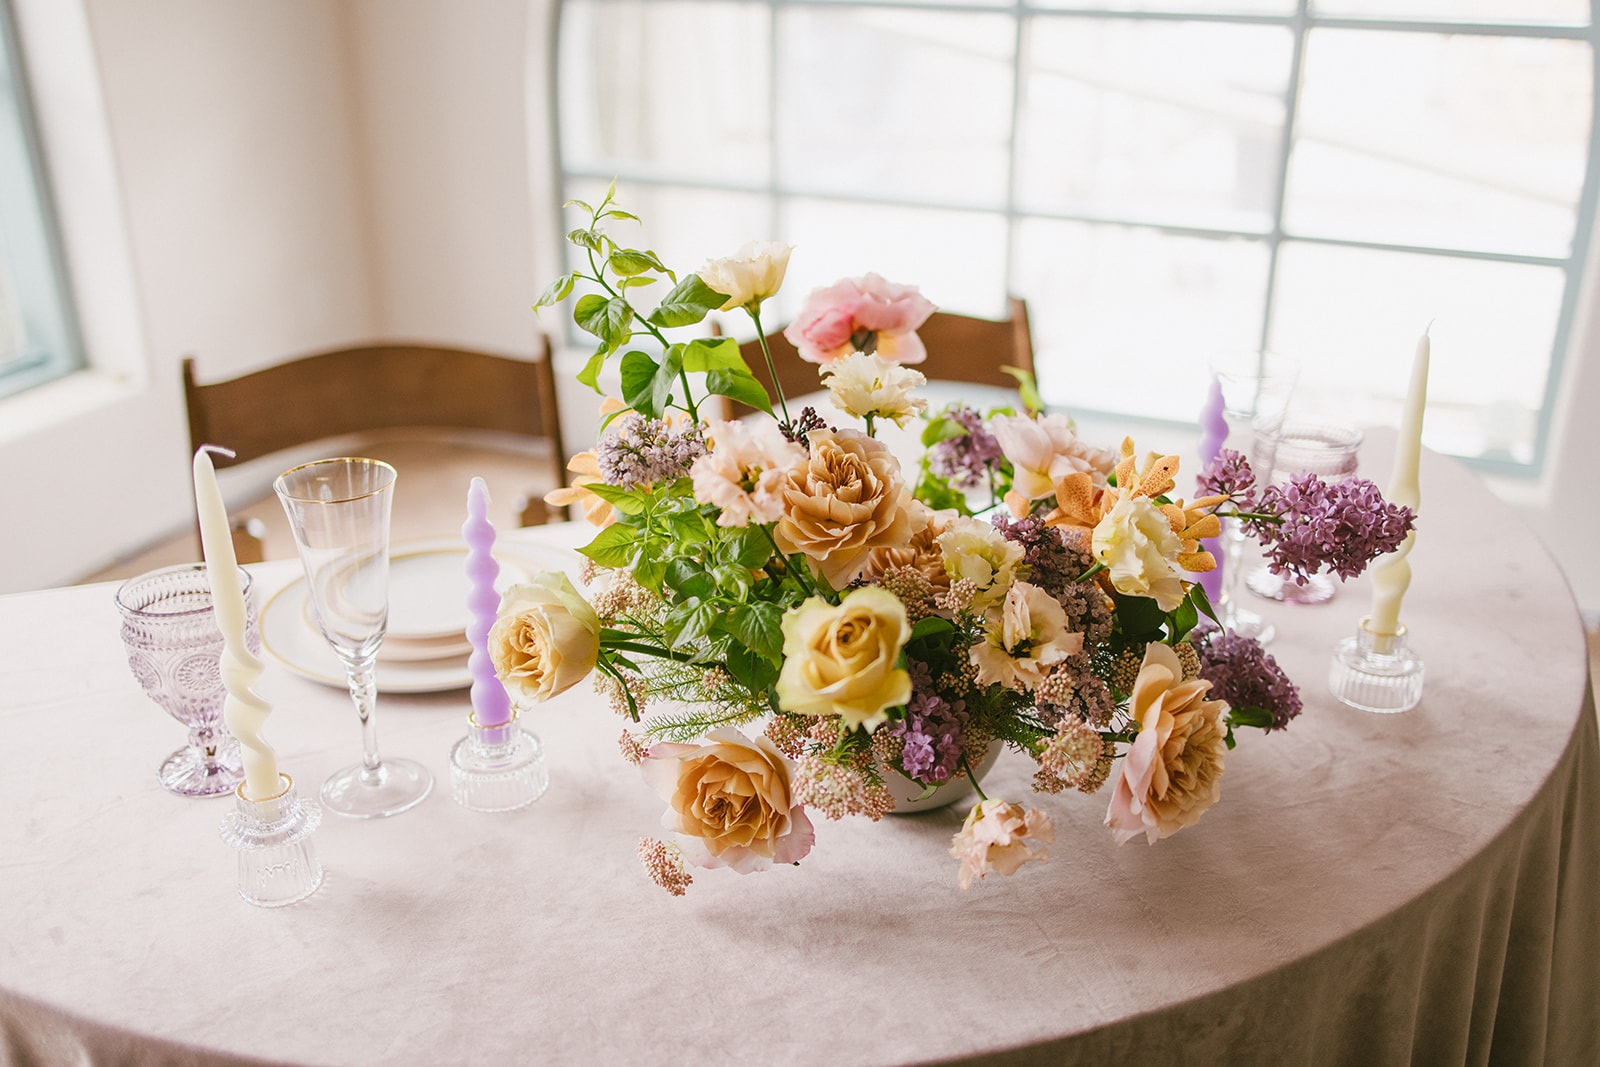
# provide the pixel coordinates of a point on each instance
(490, 704)
(1213, 432)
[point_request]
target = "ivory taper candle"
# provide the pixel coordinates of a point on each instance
(243, 711)
(1392, 574)
(490, 704)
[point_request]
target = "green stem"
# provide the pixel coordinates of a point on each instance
(755, 315)
(801, 574)
(868, 417)
(648, 650)
(622, 683)
(966, 769)
(1091, 572)
(683, 376)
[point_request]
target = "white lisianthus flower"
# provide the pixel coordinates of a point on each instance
(976, 550)
(869, 386)
(1023, 637)
(750, 275)
(1138, 546)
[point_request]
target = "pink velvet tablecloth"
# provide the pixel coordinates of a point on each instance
(1419, 888)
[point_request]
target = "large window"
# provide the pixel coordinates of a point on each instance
(1160, 180)
(38, 334)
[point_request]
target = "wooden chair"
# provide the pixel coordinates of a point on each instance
(373, 389)
(961, 348)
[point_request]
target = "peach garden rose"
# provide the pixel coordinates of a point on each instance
(846, 500)
(730, 800)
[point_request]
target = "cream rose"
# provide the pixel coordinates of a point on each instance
(730, 800)
(546, 639)
(748, 276)
(1172, 772)
(992, 839)
(848, 499)
(843, 660)
(1022, 638)
(870, 387)
(1138, 546)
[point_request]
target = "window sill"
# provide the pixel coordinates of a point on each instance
(43, 406)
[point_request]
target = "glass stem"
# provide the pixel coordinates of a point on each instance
(1233, 552)
(363, 677)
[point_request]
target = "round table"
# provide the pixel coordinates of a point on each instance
(1371, 889)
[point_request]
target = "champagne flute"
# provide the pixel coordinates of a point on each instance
(339, 512)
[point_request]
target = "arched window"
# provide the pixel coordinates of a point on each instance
(1160, 180)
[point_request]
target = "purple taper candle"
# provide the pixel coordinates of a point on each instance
(1213, 432)
(490, 704)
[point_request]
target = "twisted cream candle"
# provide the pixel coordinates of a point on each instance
(243, 711)
(490, 704)
(1392, 574)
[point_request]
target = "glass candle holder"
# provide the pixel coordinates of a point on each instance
(278, 862)
(1376, 672)
(497, 768)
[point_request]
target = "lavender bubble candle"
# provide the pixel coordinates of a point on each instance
(490, 704)
(1213, 432)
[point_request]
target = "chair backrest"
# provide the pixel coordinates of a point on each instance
(381, 387)
(960, 348)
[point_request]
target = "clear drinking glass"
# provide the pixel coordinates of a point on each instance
(1288, 448)
(1256, 387)
(339, 512)
(175, 651)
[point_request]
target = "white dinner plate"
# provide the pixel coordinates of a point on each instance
(427, 600)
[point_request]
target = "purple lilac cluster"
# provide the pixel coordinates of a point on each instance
(1229, 475)
(1245, 674)
(635, 450)
(1052, 566)
(932, 730)
(967, 460)
(1342, 526)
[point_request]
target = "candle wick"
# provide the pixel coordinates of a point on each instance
(219, 450)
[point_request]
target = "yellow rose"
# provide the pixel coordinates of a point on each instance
(731, 800)
(844, 660)
(546, 639)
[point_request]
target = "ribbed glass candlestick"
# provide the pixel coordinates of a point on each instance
(497, 768)
(1376, 672)
(278, 862)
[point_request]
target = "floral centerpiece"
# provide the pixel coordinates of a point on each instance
(791, 621)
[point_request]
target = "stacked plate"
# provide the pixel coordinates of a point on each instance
(425, 648)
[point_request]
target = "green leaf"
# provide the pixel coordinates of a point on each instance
(939, 495)
(749, 547)
(1139, 616)
(638, 382)
(1202, 600)
(1182, 619)
(689, 578)
(624, 500)
(608, 320)
(556, 291)
(667, 377)
(941, 429)
(739, 385)
(618, 213)
(635, 283)
(590, 374)
(690, 621)
(630, 261)
(717, 353)
(932, 624)
(750, 670)
(760, 626)
(687, 304)
(589, 239)
(1258, 717)
(613, 546)
(1028, 387)
(579, 203)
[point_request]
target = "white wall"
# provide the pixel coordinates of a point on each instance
(228, 126)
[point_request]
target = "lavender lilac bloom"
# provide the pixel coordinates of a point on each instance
(966, 461)
(1245, 675)
(932, 730)
(639, 451)
(1229, 475)
(1342, 526)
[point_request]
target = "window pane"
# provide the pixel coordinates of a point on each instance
(1442, 141)
(957, 258)
(1125, 319)
(1175, 122)
(38, 335)
(1543, 12)
(653, 86)
(1226, 7)
(881, 103)
(1353, 317)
